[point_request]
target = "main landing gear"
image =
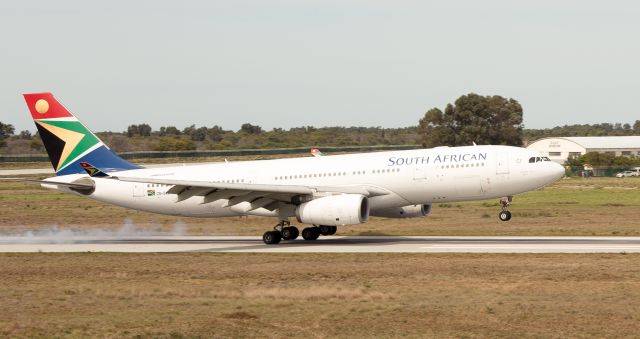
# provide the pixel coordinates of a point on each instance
(505, 215)
(310, 233)
(327, 230)
(284, 231)
(313, 233)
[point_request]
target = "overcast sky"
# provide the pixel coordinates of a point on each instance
(320, 63)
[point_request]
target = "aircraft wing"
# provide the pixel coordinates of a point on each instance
(248, 192)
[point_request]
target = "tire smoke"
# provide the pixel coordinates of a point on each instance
(57, 235)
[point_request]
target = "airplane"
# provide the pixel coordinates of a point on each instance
(324, 191)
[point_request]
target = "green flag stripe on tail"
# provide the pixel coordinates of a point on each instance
(88, 141)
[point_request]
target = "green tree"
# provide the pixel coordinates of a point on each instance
(169, 130)
(491, 120)
(250, 129)
(143, 130)
(6, 130)
(216, 133)
(199, 134)
(189, 130)
(132, 130)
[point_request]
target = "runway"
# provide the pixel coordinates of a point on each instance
(335, 244)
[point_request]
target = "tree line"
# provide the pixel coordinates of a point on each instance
(602, 159)
(586, 130)
(471, 118)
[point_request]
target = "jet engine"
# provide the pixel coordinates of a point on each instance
(333, 210)
(411, 211)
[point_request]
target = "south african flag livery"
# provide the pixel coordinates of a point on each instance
(67, 141)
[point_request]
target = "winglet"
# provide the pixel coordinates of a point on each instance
(92, 170)
(316, 152)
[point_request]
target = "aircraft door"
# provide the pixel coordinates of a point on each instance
(420, 172)
(502, 163)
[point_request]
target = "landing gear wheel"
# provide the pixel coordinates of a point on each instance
(505, 215)
(334, 229)
(290, 233)
(324, 229)
(310, 233)
(271, 237)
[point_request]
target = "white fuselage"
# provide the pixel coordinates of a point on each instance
(425, 176)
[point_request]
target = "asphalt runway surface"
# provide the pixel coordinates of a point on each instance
(333, 244)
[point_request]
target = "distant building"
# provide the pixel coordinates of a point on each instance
(561, 148)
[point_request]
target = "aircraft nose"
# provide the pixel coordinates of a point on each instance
(557, 170)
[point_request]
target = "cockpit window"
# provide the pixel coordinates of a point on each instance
(538, 159)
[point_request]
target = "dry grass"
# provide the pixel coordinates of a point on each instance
(596, 206)
(329, 295)
(319, 295)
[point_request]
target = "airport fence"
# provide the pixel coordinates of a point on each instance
(220, 153)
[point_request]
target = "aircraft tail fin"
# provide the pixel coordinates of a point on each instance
(67, 141)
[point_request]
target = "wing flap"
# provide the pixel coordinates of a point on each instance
(248, 197)
(193, 191)
(221, 194)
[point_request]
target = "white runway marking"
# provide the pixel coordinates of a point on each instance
(336, 244)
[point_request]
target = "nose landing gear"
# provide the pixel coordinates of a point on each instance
(505, 215)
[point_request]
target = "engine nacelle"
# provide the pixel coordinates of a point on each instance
(411, 211)
(334, 210)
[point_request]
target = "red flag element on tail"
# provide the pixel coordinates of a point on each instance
(45, 106)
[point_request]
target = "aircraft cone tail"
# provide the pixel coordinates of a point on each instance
(67, 141)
